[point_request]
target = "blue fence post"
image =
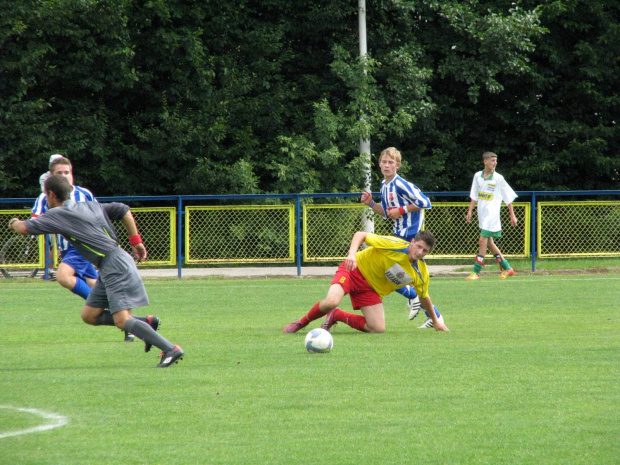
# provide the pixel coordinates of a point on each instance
(533, 234)
(47, 260)
(180, 237)
(298, 234)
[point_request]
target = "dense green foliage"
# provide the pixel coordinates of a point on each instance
(200, 97)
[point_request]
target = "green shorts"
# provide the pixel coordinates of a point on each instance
(485, 233)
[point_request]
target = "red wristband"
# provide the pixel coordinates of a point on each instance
(135, 240)
(402, 210)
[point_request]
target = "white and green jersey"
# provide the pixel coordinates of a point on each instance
(489, 193)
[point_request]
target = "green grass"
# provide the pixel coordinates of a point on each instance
(543, 264)
(529, 374)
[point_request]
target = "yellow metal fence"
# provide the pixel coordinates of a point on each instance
(240, 234)
(158, 231)
(156, 226)
(329, 228)
(269, 233)
(569, 229)
(19, 252)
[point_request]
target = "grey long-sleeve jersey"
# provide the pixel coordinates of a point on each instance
(86, 225)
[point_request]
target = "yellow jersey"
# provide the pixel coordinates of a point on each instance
(386, 267)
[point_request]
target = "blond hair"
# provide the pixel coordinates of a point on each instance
(487, 155)
(393, 153)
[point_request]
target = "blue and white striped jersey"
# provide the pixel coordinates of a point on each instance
(79, 194)
(399, 193)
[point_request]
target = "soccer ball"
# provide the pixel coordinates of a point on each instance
(319, 341)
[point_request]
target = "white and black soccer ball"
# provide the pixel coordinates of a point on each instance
(319, 341)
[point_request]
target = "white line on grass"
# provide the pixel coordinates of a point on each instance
(55, 421)
(547, 279)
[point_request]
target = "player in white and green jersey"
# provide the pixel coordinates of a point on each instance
(489, 189)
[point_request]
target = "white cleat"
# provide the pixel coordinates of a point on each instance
(414, 307)
(429, 323)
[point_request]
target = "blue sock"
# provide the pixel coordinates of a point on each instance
(81, 288)
(436, 312)
(407, 291)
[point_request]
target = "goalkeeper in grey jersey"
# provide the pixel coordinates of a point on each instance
(119, 288)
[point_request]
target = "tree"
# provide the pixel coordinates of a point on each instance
(429, 63)
(198, 97)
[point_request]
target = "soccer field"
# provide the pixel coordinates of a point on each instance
(528, 374)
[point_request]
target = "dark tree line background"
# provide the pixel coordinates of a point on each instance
(246, 96)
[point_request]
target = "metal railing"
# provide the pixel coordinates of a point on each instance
(305, 228)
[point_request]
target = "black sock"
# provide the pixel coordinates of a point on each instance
(144, 331)
(105, 319)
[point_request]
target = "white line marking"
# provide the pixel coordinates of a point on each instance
(56, 421)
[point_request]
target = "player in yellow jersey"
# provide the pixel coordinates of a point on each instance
(389, 263)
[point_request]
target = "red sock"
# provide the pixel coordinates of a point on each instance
(352, 319)
(313, 314)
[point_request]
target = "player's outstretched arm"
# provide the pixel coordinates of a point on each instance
(374, 206)
(427, 304)
(18, 226)
(350, 262)
(472, 204)
(139, 251)
(366, 198)
(135, 240)
(513, 218)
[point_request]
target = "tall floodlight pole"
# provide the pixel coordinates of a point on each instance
(367, 222)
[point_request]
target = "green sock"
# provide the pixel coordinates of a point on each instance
(505, 265)
(477, 268)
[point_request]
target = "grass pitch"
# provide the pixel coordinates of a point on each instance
(529, 374)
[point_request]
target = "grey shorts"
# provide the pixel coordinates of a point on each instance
(119, 286)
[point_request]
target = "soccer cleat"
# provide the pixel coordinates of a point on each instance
(170, 357)
(473, 276)
(429, 323)
(506, 273)
(293, 327)
(414, 307)
(154, 322)
(128, 337)
(329, 321)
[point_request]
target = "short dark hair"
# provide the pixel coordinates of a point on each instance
(427, 237)
(59, 185)
(60, 161)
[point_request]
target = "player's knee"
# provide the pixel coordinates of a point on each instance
(88, 317)
(66, 281)
(328, 304)
(120, 318)
(375, 328)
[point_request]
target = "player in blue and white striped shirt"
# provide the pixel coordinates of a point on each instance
(74, 272)
(404, 203)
